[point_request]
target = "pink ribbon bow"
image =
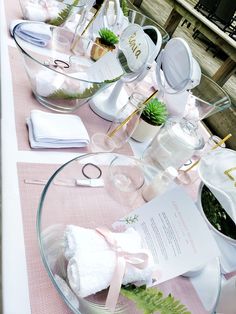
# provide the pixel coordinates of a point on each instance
(138, 260)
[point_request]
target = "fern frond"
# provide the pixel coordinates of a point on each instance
(124, 7)
(63, 94)
(151, 300)
(88, 92)
(64, 14)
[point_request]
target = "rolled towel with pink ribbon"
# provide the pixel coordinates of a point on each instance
(101, 255)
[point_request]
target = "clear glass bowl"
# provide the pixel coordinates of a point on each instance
(53, 12)
(60, 80)
(62, 203)
(206, 99)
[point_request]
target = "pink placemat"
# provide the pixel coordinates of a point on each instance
(43, 296)
(24, 102)
(12, 11)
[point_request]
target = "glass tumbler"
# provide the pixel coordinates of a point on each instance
(125, 179)
(121, 128)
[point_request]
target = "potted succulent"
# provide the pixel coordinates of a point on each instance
(106, 42)
(151, 119)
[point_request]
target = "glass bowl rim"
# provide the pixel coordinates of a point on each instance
(15, 36)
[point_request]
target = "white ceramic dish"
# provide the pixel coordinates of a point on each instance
(208, 283)
(199, 204)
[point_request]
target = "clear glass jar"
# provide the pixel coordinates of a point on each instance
(174, 144)
(126, 120)
(121, 128)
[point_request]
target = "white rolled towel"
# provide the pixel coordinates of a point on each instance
(92, 266)
(35, 12)
(42, 11)
(78, 239)
(47, 82)
(36, 33)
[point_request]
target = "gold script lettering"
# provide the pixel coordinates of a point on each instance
(133, 45)
(229, 175)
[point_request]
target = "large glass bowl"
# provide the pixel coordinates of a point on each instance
(206, 99)
(54, 12)
(63, 203)
(60, 80)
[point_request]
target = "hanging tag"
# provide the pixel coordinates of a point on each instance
(134, 45)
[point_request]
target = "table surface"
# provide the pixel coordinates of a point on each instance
(16, 295)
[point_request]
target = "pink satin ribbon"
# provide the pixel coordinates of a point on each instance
(138, 260)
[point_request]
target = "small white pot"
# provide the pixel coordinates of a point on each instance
(145, 131)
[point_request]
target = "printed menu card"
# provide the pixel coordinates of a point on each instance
(173, 229)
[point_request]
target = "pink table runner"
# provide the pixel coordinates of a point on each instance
(43, 296)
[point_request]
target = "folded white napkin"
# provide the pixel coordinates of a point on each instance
(38, 34)
(51, 130)
(91, 267)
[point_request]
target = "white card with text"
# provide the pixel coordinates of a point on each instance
(174, 231)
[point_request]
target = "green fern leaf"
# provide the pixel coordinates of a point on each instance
(124, 7)
(63, 94)
(150, 300)
(64, 14)
(88, 92)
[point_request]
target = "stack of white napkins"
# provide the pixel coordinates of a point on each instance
(52, 130)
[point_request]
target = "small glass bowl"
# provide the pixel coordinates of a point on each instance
(53, 12)
(60, 80)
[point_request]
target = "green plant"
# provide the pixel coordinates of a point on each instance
(64, 14)
(124, 7)
(155, 112)
(108, 37)
(151, 300)
(88, 92)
